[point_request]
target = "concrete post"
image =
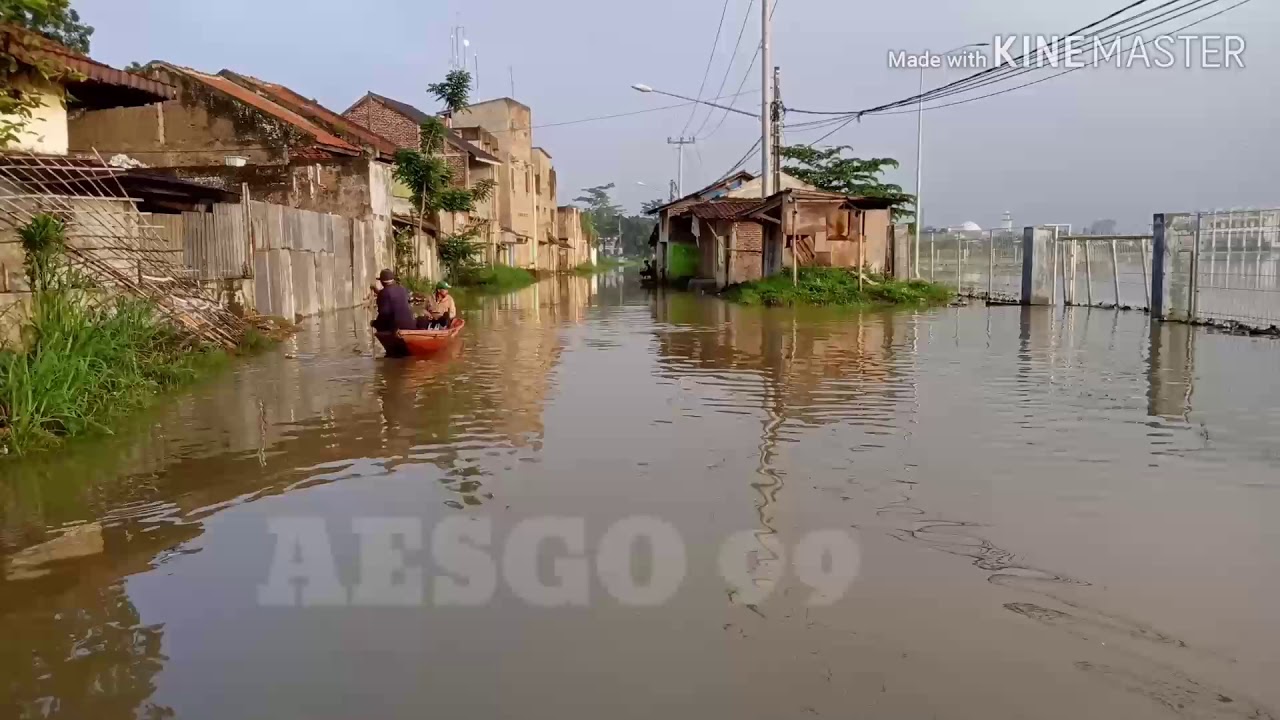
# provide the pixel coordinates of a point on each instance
(1158, 253)
(1037, 266)
(902, 269)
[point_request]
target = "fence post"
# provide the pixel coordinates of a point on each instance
(991, 263)
(1193, 291)
(959, 264)
(1037, 266)
(1143, 259)
(933, 259)
(1115, 270)
(1088, 275)
(1159, 249)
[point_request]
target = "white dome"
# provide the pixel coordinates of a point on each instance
(970, 226)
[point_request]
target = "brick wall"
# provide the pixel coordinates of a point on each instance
(388, 123)
(750, 237)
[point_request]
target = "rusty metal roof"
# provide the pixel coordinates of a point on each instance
(248, 97)
(722, 209)
(315, 112)
(28, 46)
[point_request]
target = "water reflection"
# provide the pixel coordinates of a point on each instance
(1032, 443)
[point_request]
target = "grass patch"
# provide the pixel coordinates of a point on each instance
(84, 364)
(496, 278)
(837, 286)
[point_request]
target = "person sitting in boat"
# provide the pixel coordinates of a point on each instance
(441, 309)
(394, 312)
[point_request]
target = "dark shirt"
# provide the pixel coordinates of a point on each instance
(394, 312)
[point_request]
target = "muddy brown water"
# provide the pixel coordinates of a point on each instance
(1058, 515)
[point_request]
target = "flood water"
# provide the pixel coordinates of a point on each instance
(1057, 514)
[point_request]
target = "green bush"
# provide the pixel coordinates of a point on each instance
(836, 286)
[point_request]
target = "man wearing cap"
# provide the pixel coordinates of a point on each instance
(440, 307)
(394, 312)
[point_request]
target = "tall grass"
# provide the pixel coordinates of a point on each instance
(496, 277)
(84, 358)
(837, 286)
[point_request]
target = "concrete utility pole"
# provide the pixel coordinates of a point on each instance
(776, 130)
(680, 142)
(766, 104)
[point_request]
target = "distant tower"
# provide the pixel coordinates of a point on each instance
(1007, 222)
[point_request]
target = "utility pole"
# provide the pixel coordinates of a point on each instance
(776, 131)
(680, 142)
(766, 104)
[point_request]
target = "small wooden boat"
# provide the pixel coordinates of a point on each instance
(420, 343)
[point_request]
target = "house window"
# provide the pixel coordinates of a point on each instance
(527, 187)
(537, 182)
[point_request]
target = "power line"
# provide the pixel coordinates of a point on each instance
(745, 76)
(729, 68)
(1010, 70)
(843, 120)
(724, 10)
(623, 114)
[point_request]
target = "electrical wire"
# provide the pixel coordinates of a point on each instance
(1010, 70)
(729, 68)
(724, 10)
(1186, 8)
(745, 76)
(622, 114)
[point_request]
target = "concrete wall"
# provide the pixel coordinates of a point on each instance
(46, 129)
(510, 122)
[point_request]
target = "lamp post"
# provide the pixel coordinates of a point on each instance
(920, 154)
(682, 141)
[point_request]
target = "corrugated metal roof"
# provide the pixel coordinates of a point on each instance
(722, 209)
(85, 66)
(315, 111)
(249, 97)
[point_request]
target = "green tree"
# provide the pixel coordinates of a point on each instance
(431, 181)
(454, 91)
(650, 205)
(54, 19)
(828, 169)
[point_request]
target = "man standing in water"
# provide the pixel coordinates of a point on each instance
(440, 307)
(394, 312)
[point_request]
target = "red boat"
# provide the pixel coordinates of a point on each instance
(420, 343)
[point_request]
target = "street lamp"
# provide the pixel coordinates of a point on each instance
(646, 89)
(920, 152)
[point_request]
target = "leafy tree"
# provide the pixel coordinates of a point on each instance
(54, 19)
(454, 91)
(828, 169)
(606, 218)
(430, 179)
(650, 205)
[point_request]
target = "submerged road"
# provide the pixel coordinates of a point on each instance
(960, 513)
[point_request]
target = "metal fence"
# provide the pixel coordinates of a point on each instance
(1224, 267)
(983, 264)
(1103, 271)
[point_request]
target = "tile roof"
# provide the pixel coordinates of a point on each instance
(88, 68)
(223, 85)
(419, 117)
(315, 112)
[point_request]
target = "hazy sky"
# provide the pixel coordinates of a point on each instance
(1097, 143)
